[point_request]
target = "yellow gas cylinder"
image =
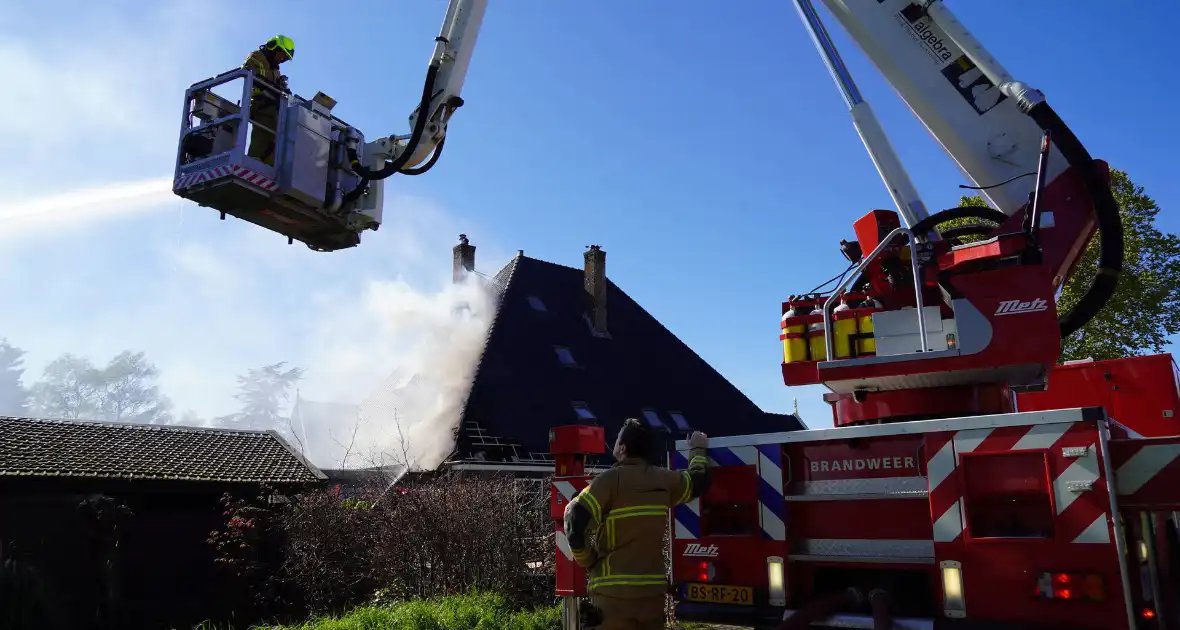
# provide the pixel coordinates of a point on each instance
(793, 336)
(843, 330)
(815, 334)
(866, 344)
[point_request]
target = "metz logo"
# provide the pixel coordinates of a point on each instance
(701, 551)
(1016, 307)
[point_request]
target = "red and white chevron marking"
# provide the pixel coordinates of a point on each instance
(564, 490)
(1079, 489)
(1147, 472)
(219, 172)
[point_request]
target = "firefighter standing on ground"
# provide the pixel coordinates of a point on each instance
(264, 107)
(625, 512)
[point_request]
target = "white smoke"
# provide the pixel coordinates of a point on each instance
(429, 345)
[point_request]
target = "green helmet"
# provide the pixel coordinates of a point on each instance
(283, 43)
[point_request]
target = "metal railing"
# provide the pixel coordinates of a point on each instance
(850, 278)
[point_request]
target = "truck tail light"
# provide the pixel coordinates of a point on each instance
(705, 572)
(953, 604)
(1071, 586)
(777, 581)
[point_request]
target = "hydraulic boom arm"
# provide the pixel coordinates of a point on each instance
(416, 152)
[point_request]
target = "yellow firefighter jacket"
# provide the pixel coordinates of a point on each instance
(624, 512)
(263, 69)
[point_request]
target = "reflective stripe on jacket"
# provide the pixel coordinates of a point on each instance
(624, 511)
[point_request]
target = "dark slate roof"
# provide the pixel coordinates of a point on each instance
(69, 448)
(522, 388)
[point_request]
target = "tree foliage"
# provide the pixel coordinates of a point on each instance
(1145, 308)
(124, 390)
(14, 398)
(263, 392)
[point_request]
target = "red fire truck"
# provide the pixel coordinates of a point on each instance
(968, 480)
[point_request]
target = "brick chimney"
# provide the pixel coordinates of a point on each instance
(464, 258)
(595, 285)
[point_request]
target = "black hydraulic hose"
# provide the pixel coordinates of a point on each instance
(368, 175)
(429, 163)
(395, 165)
(986, 213)
(1106, 210)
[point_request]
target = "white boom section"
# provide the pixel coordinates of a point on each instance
(967, 101)
(452, 52)
(889, 166)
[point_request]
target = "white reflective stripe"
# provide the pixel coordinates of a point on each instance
(566, 489)
(713, 462)
(695, 506)
(682, 532)
(773, 525)
(941, 465)
(1042, 436)
(1096, 532)
(969, 440)
(949, 526)
(564, 545)
(770, 472)
(748, 454)
(1082, 469)
(1144, 466)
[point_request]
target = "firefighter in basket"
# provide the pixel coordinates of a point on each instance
(616, 527)
(264, 105)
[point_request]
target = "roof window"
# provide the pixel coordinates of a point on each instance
(537, 304)
(583, 411)
(565, 356)
(681, 423)
(653, 419)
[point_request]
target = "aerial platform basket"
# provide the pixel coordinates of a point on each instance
(304, 189)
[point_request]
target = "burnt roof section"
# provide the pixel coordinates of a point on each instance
(542, 365)
(101, 450)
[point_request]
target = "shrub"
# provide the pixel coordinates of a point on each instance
(442, 537)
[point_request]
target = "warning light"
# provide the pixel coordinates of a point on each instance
(1148, 614)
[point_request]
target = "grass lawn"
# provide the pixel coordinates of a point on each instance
(460, 612)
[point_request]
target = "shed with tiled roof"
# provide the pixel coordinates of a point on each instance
(101, 450)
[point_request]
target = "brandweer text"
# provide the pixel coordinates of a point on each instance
(873, 463)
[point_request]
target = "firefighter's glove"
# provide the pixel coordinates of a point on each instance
(698, 440)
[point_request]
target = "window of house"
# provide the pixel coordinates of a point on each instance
(583, 411)
(564, 355)
(653, 418)
(537, 304)
(1007, 495)
(678, 418)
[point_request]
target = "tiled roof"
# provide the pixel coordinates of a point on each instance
(523, 385)
(68, 448)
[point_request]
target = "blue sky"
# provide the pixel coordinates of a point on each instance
(702, 144)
